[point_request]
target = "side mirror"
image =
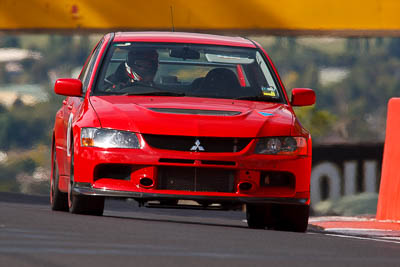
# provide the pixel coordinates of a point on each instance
(303, 97)
(68, 87)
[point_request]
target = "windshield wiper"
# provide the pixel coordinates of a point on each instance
(156, 93)
(147, 89)
(258, 98)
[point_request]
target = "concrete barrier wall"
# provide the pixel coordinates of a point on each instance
(345, 169)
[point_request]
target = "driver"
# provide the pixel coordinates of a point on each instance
(140, 67)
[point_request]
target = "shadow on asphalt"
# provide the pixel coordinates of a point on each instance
(121, 205)
(22, 198)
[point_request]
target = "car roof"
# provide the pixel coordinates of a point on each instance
(182, 37)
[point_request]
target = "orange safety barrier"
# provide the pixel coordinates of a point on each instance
(389, 193)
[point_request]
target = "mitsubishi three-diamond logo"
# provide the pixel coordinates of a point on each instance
(197, 146)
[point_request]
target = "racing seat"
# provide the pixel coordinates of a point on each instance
(221, 82)
(118, 76)
(120, 73)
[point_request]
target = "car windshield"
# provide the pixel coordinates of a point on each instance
(187, 70)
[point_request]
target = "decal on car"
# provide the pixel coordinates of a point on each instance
(266, 114)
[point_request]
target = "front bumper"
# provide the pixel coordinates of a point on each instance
(147, 162)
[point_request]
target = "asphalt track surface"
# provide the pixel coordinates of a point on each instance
(33, 235)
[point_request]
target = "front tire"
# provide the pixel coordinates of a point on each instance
(89, 205)
(81, 204)
(58, 199)
(293, 218)
(284, 217)
(256, 215)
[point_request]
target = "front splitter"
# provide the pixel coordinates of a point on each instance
(87, 189)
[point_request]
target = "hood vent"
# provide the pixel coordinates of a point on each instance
(196, 111)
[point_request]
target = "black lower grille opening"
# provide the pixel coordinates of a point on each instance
(277, 179)
(218, 162)
(196, 179)
(113, 171)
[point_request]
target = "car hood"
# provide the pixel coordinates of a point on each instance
(193, 116)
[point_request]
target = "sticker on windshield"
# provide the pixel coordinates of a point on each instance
(269, 91)
(123, 44)
(228, 59)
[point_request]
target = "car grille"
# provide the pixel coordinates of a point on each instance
(199, 144)
(196, 179)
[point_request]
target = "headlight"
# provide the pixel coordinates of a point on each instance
(282, 146)
(108, 138)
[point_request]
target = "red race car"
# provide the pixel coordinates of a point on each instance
(162, 117)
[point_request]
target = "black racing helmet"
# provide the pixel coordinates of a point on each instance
(141, 63)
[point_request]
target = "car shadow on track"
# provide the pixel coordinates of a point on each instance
(130, 210)
(183, 221)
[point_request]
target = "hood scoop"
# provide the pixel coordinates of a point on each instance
(196, 111)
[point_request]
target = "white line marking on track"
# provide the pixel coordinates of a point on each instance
(340, 219)
(358, 229)
(392, 238)
(366, 238)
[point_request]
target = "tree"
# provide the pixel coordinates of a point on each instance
(394, 47)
